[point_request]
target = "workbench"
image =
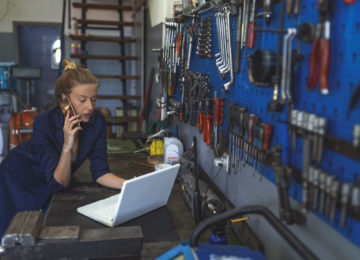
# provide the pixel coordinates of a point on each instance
(153, 233)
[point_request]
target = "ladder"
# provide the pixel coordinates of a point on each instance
(85, 23)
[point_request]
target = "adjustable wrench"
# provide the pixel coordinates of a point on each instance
(286, 66)
(229, 53)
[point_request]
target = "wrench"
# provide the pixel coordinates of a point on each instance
(227, 84)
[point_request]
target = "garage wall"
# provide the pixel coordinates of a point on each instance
(248, 187)
(50, 11)
(30, 11)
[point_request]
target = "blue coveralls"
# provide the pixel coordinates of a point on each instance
(27, 173)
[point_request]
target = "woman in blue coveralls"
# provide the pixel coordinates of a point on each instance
(43, 164)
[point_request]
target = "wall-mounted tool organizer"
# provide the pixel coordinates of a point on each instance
(290, 95)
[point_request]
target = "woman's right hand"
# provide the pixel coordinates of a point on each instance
(71, 127)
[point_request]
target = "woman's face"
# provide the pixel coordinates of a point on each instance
(83, 99)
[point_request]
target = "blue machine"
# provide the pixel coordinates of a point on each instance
(206, 251)
(193, 250)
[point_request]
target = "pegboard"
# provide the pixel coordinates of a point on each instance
(344, 67)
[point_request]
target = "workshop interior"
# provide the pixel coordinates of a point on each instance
(257, 100)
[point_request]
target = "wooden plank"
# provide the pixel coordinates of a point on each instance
(118, 97)
(117, 77)
(104, 22)
(103, 6)
(103, 57)
(100, 38)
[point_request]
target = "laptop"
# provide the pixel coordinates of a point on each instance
(137, 197)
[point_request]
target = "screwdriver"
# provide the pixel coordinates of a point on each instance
(207, 122)
(246, 133)
(267, 136)
(242, 112)
(256, 139)
(251, 31)
(251, 124)
(218, 117)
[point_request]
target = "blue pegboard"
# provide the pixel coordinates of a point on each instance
(344, 67)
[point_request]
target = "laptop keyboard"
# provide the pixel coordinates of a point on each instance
(107, 212)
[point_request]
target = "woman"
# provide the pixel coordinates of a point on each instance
(60, 143)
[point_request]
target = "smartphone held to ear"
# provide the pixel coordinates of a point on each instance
(67, 106)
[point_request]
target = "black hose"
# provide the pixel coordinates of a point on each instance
(270, 217)
(196, 198)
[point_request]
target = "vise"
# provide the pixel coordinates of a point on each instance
(27, 238)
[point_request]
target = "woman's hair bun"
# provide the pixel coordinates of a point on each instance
(69, 65)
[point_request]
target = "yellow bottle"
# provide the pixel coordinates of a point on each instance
(157, 147)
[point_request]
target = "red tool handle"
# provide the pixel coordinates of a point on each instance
(178, 45)
(205, 132)
(349, 1)
(313, 66)
(251, 35)
(267, 136)
(200, 121)
(216, 111)
(181, 116)
(222, 110)
(325, 60)
(251, 128)
(207, 129)
(325, 65)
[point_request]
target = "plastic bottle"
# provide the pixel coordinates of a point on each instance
(173, 150)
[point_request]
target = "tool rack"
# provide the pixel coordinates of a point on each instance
(340, 158)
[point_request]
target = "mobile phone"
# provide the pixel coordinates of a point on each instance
(67, 106)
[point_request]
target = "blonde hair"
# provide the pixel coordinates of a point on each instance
(73, 75)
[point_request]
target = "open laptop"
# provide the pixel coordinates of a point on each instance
(137, 197)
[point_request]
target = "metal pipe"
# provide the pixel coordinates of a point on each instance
(296, 244)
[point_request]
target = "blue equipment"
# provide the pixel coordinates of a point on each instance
(193, 250)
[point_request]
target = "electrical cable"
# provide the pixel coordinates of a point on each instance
(213, 179)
